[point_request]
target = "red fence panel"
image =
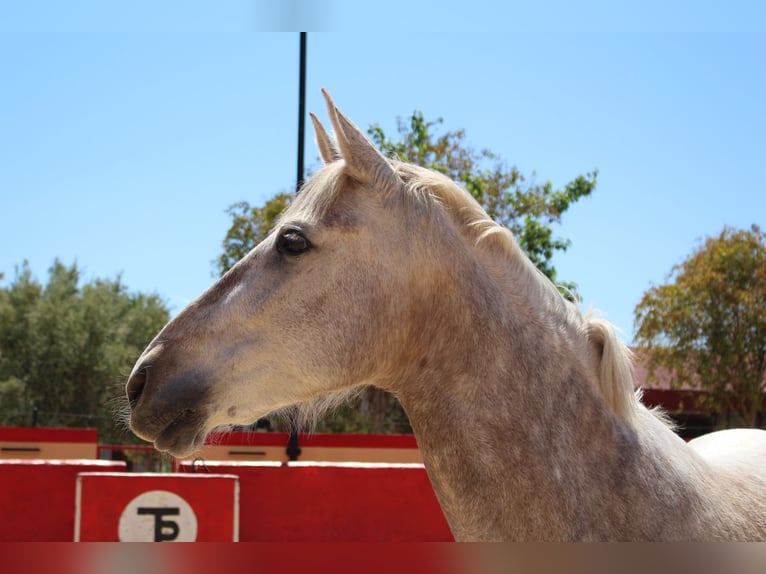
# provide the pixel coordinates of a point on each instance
(313, 502)
(151, 507)
(37, 497)
(27, 443)
(319, 447)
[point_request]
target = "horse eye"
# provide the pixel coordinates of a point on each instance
(292, 242)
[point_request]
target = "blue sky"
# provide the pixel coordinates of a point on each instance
(125, 132)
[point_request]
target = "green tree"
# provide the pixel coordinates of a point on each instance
(707, 324)
(66, 349)
(528, 210)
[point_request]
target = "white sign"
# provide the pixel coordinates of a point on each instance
(158, 516)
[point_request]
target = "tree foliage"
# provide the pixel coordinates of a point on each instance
(66, 349)
(528, 210)
(707, 324)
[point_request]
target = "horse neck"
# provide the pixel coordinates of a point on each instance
(502, 403)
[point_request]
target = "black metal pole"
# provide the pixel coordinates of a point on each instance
(293, 450)
(301, 109)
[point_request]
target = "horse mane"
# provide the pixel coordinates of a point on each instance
(430, 190)
(616, 374)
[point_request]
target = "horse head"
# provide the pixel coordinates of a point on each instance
(314, 310)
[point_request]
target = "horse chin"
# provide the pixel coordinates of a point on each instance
(184, 436)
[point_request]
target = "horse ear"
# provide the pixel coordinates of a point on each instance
(328, 150)
(363, 160)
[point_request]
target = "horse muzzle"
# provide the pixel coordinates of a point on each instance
(168, 408)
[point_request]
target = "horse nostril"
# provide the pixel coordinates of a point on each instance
(136, 385)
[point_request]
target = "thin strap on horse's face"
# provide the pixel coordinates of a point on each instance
(363, 160)
(328, 149)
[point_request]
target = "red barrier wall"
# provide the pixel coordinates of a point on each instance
(304, 502)
(37, 497)
(262, 446)
(47, 443)
(150, 507)
(313, 502)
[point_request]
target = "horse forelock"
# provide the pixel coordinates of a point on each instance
(318, 193)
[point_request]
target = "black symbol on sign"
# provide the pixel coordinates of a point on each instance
(162, 526)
